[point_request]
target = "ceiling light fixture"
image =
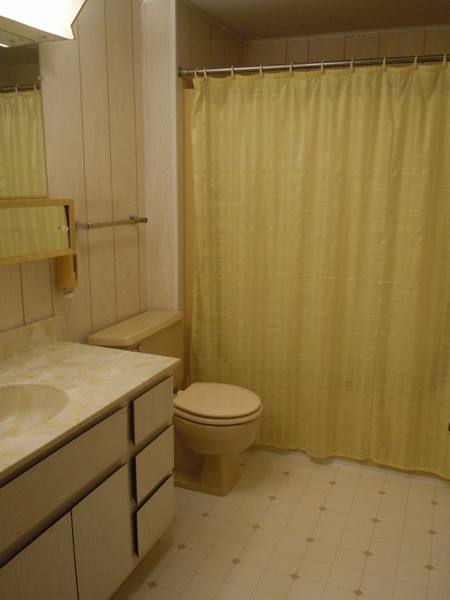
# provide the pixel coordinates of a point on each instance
(51, 16)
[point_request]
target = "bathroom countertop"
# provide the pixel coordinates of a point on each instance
(96, 380)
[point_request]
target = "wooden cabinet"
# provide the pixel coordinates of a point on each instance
(102, 535)
(45, 570)
(113, 499)
(55, 484)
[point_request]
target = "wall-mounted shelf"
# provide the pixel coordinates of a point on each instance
(39, 228)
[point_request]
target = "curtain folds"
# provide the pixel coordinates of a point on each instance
(322, 279)
(22, 151)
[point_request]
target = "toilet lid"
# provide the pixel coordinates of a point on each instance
(217, 401)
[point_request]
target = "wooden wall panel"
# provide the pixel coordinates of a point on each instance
(160, 85)
(402, 43)
(37, 290)
(437, 41)
(11, 300)
(326, 48)
(373, 44)
(362, 45)
(122, 135)
(217, 46)
(140, 159)
(200, 40)
(97, 160)
(233, 52)
(61, 92)
(297, 50)
(265, 52)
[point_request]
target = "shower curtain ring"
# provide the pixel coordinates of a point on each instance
(384, 64)
(352, 68)
(261, 71)
(291, 69)
(205, 74)
(196, 73)
(232, 72)
(322, 68)
(444, 60)
(415, 63)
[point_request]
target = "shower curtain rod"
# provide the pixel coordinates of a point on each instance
(21, 87)
(357, 62)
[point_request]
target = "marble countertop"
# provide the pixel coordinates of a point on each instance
(96, 380)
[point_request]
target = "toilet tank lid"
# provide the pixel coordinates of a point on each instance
(134, 330)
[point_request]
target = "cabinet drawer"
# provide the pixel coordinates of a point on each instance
(154, 517)
(154, 463)
(54, 484)
(153, 410)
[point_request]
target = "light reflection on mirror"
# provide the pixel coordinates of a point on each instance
(25, 176)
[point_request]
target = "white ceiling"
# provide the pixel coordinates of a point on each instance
(260, 19)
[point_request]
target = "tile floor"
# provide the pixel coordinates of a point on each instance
(295, 528)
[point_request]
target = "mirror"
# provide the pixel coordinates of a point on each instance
(22, 150)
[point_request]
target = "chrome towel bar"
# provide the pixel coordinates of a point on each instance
(132, 220)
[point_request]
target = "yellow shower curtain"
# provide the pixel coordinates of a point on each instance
(22, 153)
(322, 268)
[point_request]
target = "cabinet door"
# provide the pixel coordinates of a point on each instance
(102, 531)
(45, 569)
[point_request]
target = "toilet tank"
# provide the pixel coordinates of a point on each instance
(153, 332)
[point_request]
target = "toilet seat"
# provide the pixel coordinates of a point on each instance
(217, 404)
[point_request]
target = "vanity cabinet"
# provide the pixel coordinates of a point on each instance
(45, 569)
(87, 542)
(103, 537)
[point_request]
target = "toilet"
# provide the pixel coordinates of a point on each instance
(213, 422)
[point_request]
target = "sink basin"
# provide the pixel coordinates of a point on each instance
(24, 406)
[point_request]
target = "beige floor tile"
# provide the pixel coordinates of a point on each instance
(203, 587)
(281, 562)
(273, 582)
(303, 589)
(245, 575)
(298, 529)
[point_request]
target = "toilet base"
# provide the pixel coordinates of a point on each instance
(217, 474)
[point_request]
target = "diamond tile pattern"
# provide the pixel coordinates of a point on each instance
(296, 528)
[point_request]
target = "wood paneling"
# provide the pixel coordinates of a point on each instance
(160, 152)
(201, 50)
(11, 301)
(61, 92)
(402, 43)
(437, 41)
(372, 44)
(37, 290)
(297, 50)
(217, 46)
(266, 52)
(326, 48)
(93, 120)
(122, 133)
(362, 45)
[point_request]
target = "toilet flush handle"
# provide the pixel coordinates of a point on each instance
(137, 348)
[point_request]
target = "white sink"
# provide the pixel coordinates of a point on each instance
(24, 406)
